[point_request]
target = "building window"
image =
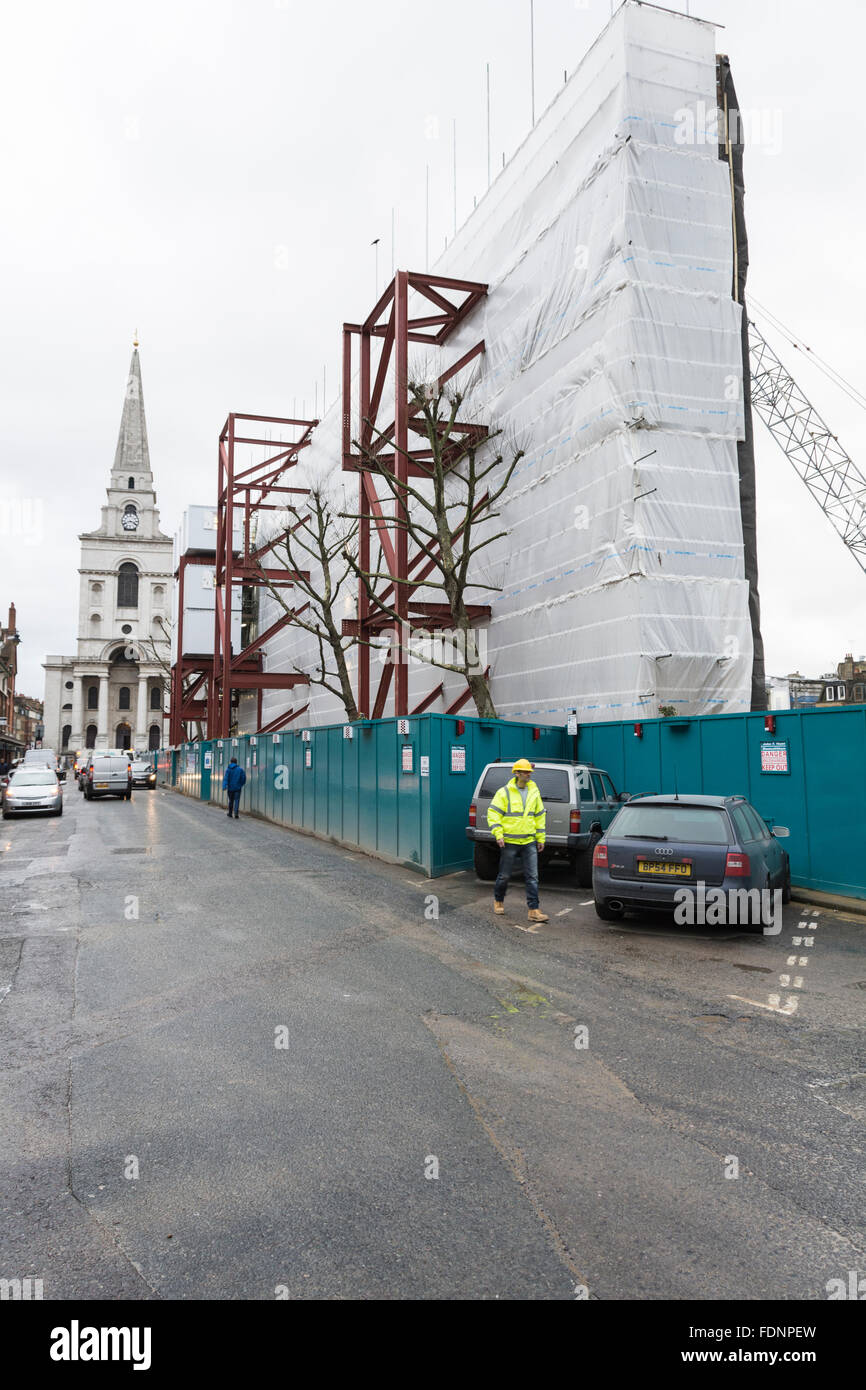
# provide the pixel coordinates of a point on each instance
(840, 692)
(859, 693)
(130, 485)
(153, 738)
(155, 700)
(127, 586)
(90, 736)
(68, 685)
(123, 736)
(126, 629)
(123, 702)
(93, 697)
(65, 707)
(66, 735)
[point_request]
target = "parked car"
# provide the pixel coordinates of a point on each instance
(108, 774)
(32, 789)
(659, 844)
(143, 771)
(580, 801)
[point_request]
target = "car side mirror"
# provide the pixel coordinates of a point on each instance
(624, 796)
(781, 832)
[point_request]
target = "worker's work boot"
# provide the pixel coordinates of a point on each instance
(536, 915)
(498, 908)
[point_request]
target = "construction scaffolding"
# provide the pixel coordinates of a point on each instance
(251, 490)
(441, 304)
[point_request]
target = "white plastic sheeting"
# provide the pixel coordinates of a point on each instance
(613, 358)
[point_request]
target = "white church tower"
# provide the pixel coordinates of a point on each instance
(114, 692)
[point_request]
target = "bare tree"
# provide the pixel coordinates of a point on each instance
(320, 535)
(457, 494)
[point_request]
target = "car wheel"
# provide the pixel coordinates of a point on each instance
(486, 862)
(583, 864)
(608, 914)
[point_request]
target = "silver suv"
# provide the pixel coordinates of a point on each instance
(108, 774)
(580, 801)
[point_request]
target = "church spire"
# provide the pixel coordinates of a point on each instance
(132, 458)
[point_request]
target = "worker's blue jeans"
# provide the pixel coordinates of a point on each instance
(234, 798)
(528, 856)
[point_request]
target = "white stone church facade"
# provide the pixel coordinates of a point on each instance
(114, 692)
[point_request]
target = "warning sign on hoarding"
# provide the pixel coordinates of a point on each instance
(425, 766)
(208, 759)
(458, 757)
(408, 757)
(774, 757)
(308, 757)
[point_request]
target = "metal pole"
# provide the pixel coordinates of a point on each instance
(488, 125)
(454, 166)
(392, 242)
(532, 54)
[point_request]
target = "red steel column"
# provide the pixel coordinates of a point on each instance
(401, 468)
(229, 526)
(365, 437)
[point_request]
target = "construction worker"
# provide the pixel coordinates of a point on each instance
(517, 818)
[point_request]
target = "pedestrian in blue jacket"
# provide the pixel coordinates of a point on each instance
(233, 779)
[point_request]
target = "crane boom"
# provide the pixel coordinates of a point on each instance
(829, 473)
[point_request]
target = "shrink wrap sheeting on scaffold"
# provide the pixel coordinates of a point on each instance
(613, 357)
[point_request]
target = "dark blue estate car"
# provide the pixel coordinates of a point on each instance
(658, 845)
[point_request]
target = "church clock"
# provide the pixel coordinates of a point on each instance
(129, 520)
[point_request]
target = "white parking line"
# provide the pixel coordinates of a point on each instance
(588, 902)
(564, 910)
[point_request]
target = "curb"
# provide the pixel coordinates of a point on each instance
(836, 901)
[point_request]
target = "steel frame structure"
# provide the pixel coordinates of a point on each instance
(391, 325)
(253, 489)
(827, 469)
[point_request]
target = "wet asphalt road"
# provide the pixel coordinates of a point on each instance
(235, 1058)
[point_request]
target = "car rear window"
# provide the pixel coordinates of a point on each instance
(552, 782)
(701, 825)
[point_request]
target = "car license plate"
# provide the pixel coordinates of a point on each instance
(677, 868)
(101, 786)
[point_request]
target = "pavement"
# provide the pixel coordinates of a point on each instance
(241, 1063)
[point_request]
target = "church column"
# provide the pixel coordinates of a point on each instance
(102, 739)
(77, 721)
(140, 740)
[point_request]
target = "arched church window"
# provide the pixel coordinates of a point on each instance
(155, 698)
(153, 738)
(90, 736)
(127, 586)
(93, 697)
(131, 484)
(123, 701)
(67, 734)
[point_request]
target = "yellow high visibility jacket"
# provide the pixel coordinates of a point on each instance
(519, 815)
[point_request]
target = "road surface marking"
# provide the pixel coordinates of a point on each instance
(790, 1007)
(588, 902)
(564, 910)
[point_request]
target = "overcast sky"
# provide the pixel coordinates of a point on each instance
(213, 174)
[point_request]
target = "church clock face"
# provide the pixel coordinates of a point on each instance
(129, 520)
